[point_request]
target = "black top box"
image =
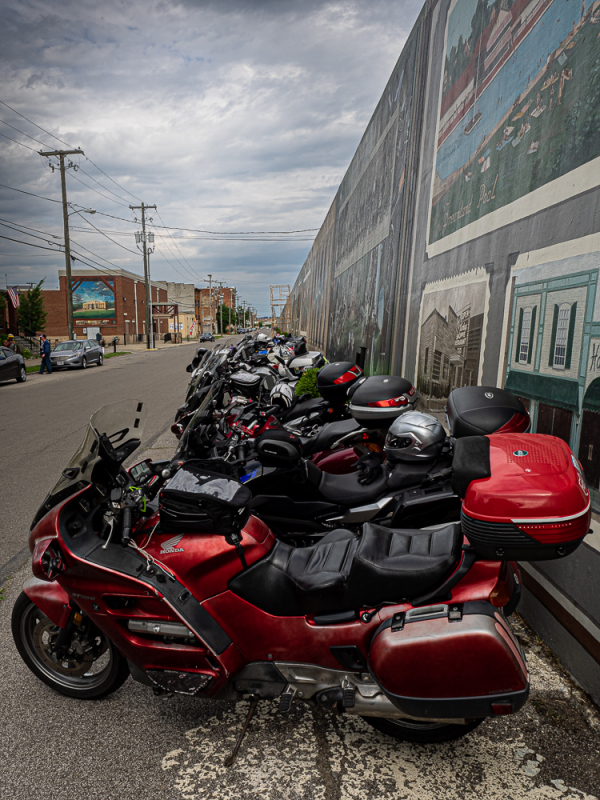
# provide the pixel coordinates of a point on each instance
(334, 380)
(477, 410)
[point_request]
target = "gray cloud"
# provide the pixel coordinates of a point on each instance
(228, 115)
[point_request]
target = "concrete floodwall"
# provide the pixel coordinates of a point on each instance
(463, 244)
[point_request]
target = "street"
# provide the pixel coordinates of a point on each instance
(135, 746)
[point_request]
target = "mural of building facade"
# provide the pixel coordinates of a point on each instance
(464, 240)
(553, 348)
(452, 323)
(93, 301)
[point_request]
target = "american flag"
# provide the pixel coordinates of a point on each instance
(14, 297)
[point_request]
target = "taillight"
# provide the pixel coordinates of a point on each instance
(518, 423)
(353, 372)
(557, 532)
(394, 402)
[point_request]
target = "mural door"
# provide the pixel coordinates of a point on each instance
(555, 421)
(589, 447)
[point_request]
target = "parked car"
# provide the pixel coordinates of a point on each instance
(80, 353)
(12, 365)
(207, 337)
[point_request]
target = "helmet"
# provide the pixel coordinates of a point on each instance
(414, 437)
(282, 395)
(262, 337)
(10, 336)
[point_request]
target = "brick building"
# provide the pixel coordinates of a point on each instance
(206, 306)
(110, 303)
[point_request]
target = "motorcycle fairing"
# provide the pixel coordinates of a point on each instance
(49, 598)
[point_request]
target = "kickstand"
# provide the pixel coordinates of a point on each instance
(232, 756)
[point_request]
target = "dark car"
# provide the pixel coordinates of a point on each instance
(12, 365)
(207, 337)
(79, 353)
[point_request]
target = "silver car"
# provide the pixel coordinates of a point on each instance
(80, 353)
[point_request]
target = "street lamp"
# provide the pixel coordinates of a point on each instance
(68, 266)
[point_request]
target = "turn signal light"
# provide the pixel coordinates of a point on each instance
(500, 595)
(394, 402)
(353, 372)
(47, 561)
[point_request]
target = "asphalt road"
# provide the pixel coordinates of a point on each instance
(134, 746)
(42, 422)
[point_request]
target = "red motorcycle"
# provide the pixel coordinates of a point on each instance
(161, 573)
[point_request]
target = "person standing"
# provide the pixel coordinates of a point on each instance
(45, 352)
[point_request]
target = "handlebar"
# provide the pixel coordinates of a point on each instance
(126, 533)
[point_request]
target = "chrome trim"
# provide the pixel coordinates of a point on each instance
(549, 520)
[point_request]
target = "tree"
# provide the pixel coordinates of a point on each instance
(222, 316)
(32, 312)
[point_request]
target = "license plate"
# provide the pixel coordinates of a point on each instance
(60, 363)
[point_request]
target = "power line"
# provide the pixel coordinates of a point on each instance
(81, 169)
(20, 241)
(113, 180)
(24, 134)
(108, 237)
(97, 192)
(18, 224)
(33, 235)
(173, 240)
(33, 150)
(22, 191)
(36, 125)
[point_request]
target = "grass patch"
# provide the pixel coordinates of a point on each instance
(118, 353)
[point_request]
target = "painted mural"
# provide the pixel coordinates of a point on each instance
(93, 301)
(452, 331)
(553, 346)
(369, 224)
(519, 105)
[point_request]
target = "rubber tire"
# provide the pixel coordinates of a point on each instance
(22, 375)
(421, 735)
(84, 363)
(101, 360)
(116, 677)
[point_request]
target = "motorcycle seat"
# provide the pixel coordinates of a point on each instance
(343, 572)
(345, 490)
(328, 435)
(303, 409)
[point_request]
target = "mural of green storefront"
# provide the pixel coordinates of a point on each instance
(553, 352)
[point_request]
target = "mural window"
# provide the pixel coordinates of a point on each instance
(445, 368)
(525, 336)
(437, 365)
(426, 362)
(562, 335)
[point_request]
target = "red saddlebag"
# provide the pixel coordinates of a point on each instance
(525, 496)
(450, 662)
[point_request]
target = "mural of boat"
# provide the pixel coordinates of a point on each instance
(472, 123)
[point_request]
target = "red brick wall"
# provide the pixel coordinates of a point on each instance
(56, 308)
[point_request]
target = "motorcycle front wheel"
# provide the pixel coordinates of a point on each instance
(90, 666)
(421, 732)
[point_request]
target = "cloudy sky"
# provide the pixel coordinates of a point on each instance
(229, 116)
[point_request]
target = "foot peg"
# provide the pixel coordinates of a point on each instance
(285, 699)
(348, 699)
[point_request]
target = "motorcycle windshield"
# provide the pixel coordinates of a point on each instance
(120, 422)
(202, 417)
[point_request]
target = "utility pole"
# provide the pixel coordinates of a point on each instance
(244, 304)
(210, 302)
(61, 155)
(142, 238)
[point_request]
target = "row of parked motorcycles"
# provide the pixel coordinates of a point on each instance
(346, 550)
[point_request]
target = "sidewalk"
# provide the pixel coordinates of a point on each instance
(138, 347)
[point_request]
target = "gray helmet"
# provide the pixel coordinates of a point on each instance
(414, 437)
